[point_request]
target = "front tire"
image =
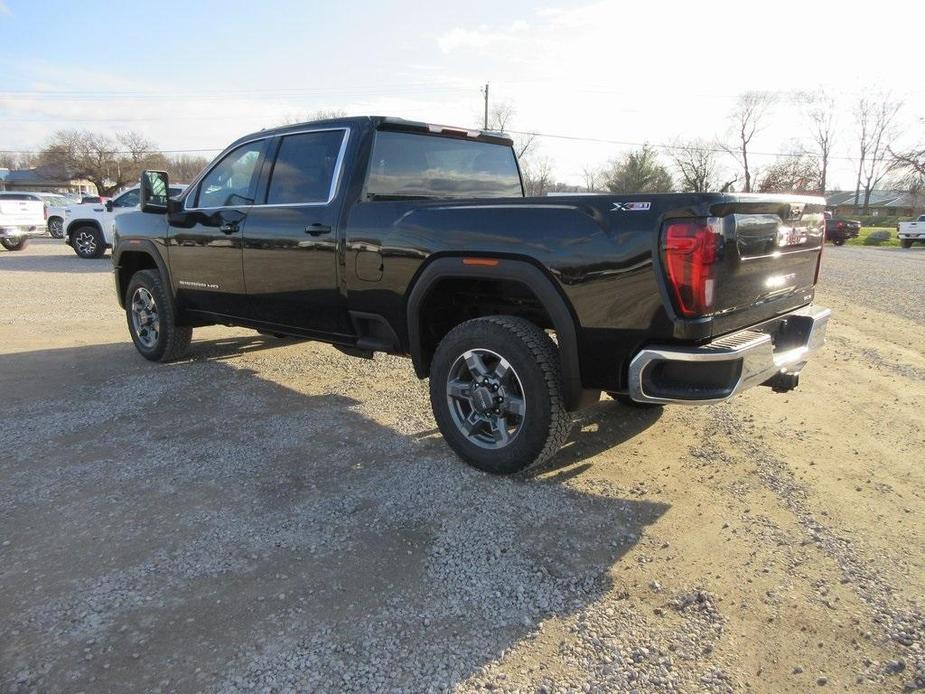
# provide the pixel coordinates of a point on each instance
(56, 228)
(495, 389)
(14, 244)
(152, 319)
(88, 242)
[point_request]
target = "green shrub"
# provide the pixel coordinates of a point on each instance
(875, 236)
(869, 220)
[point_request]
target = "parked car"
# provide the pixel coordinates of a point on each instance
(88, 227)
(54, 204)
(838, 229)
(386, 235)
(911, 232)
(21, 218)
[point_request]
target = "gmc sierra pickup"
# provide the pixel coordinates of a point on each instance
(381, 234)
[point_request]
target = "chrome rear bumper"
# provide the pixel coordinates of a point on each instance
(716, 371)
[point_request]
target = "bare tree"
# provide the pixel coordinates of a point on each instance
(695, 161)
(594, 178)
(308, 117)
(747, 120)
(876, 127)
(17, 160)
(912, 160)
(796, 172)
(863, 110)
(525, 144)
(820, 110)
(107, 163)
(538, 177)
(183, 168)
(500, 118)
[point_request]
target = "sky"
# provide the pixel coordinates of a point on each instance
(202, 73)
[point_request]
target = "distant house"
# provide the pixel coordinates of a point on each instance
(44, 178)
(883, 203)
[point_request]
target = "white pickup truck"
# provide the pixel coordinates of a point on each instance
(911, 232)
(88, 227)
(20, 219)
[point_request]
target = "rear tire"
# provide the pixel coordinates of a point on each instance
(905, 243)
(495, 388)
(14, 244)
(152, 319)
(629, 402)
(838, 242)
(88, 242)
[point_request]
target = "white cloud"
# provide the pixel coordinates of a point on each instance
(481, 37)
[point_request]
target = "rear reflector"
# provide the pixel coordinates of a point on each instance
(691, 248)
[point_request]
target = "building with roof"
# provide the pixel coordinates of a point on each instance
(883, 203)
(44, 178)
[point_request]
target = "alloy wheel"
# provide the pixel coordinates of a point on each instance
(85, 242)
(145, 318)
(486, 398)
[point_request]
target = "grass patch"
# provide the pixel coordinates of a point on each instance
(864, 238)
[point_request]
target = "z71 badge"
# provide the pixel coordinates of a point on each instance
(631, 206)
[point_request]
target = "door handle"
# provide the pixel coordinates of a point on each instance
(317, 229)
(228, 227)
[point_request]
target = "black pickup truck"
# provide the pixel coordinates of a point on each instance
(381, 234)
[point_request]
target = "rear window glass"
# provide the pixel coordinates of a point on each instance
(18, 196)
(410, 165)
(304, 168)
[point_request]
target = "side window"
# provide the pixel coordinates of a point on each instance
(304, 168)
(129, 199)
(231, 182)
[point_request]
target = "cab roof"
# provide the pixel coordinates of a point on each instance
(385, 123)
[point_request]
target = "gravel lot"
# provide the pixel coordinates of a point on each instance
(275, 516)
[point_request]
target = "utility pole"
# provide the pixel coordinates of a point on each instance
(485, 92)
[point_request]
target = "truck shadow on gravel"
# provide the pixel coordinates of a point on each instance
(195, 526)
(23, 261)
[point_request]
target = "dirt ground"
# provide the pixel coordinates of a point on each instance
(272, 515)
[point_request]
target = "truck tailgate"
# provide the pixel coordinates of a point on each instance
(769, 261)
(21, 213)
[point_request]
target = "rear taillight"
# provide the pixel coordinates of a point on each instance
(45, 210)
(691, 249)
(840, 225)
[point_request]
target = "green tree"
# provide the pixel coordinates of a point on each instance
(638, 171)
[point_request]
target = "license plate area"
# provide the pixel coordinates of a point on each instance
(791, 236)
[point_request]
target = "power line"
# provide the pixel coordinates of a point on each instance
(681, 148)
(572, 138)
